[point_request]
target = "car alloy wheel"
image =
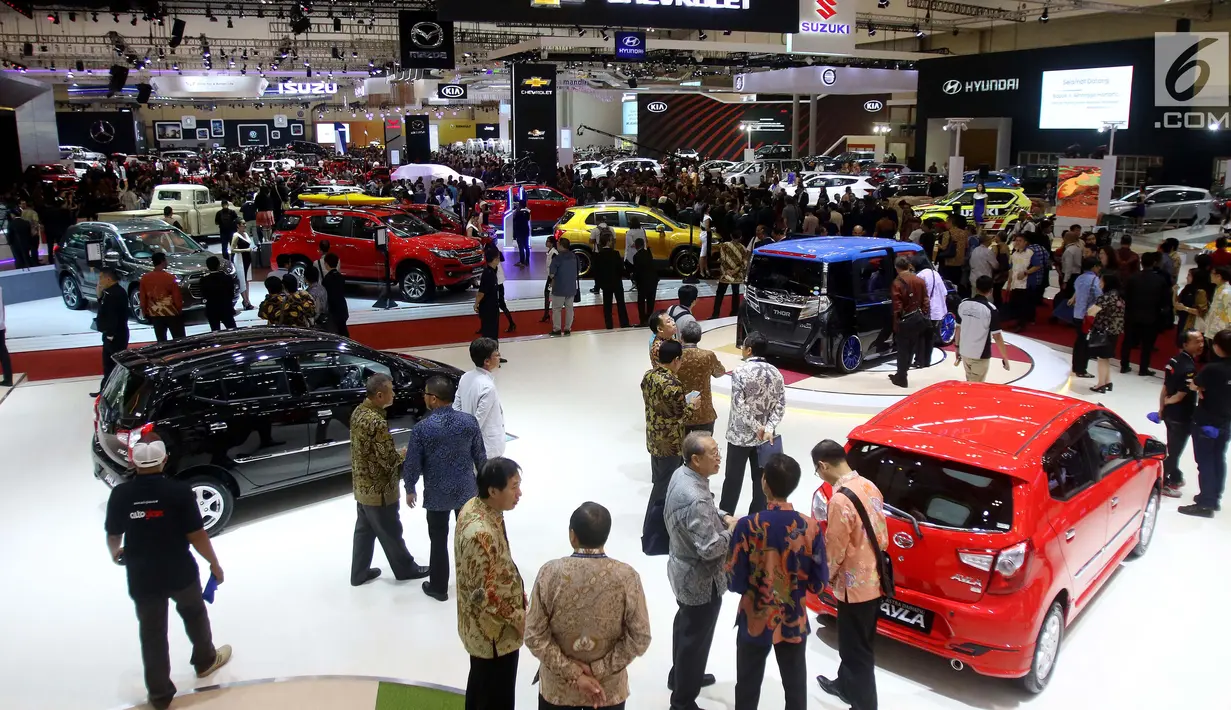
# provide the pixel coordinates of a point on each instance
(687, 262)
(416, 284)
(948, 328)
(214, 501)
(71, 293)
(134, 305)
(1046, 650)
(298, 270)
(850, 355)
(583, 261)
(1149, 521)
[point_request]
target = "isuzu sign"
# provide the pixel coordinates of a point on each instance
(703, 4)
(656, 106)
(954, 86)
(315, 88)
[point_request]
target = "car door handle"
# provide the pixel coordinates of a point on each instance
(217, 426)
(324, 413)
(1115, 501)
(1070, 534)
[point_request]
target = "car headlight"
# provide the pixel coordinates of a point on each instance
(814, 307)
(753, 302)
(444, 253)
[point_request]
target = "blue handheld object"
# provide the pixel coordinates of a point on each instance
(1153, 416)
(210, 587)
(1210, 432)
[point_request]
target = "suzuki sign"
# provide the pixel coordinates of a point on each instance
(825, 26)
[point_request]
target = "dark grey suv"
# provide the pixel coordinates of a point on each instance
(127, 247)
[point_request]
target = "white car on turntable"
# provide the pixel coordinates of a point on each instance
(833, 185)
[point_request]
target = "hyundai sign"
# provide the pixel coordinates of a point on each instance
(630, 46)
(825, 26)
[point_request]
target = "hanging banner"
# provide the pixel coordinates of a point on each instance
(745, 15)
(1083, 190)
(534, 117)
(825, 27)
(426, 42)
(418, 139)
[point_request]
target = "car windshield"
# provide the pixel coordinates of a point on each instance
(126, 394)
(1131, 196)
(142, 245)
(937, 492)
(957, 197)
(450, 215)
(793, 276)
(407, 225)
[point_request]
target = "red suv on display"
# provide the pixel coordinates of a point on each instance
(421, 258)
(1007, 510)
(547, 204)
(55, 174)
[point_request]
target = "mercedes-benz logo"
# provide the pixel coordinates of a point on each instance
(903, 540)
(953, 86)
(427, 35)
(632, 41)
(102, 131)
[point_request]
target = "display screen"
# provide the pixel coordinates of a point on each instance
(1086, 98)
(629, 115)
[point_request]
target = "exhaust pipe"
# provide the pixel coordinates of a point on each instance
(956, 665)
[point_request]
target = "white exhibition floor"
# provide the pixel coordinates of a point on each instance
(1152, 640)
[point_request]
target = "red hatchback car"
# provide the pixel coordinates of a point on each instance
(422, 259)
(547, 204)
(1007, 509)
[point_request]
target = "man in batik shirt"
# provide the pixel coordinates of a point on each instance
(777, 556)
(758, 403)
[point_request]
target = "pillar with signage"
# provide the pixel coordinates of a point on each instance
(535, 134)
(418, 139)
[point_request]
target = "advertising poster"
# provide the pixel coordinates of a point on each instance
(168, 131)
(418, 138)
(425, 41)
(535, 133)
(1081, 194)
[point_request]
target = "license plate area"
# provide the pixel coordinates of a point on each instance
(782, 314)
(907, 615)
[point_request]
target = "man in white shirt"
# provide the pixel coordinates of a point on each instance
(477, 395)
(978, 323)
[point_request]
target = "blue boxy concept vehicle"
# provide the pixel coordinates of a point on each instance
(825, 301)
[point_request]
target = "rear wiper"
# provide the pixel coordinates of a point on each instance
(905, 516)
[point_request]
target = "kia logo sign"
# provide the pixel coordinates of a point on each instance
(631, 41)
(873, 105)
(656, 106)
(451, 91)
(953, 86)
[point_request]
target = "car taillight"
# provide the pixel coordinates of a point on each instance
(559, 234)
(1007, 566)
(99, 398)
(129, 437)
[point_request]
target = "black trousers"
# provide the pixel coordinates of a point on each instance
(152, 627)
(438, 534)
(718, 296)
(492, 684)
(221, 318)
(856, 635)
(750, 673)
(908, 339)
(110, 348)
(1142, 336)
(6, 363)
(739, 458)
(544, 705)
(618, 294)
(163, 324)
(489, 322)
(1081, 351)
(923, 352)
(504, 307)
(1022, 306)
(691, 637)
(661, 468)
(1178, 434)
(379, 522)
(646, 295)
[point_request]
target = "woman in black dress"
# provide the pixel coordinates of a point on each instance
(1106, 328)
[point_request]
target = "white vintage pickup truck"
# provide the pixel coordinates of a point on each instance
(192, 205)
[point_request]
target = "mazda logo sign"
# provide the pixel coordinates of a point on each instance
(452, 91)
(953, 86)
(656, 106)
(873, 105)
(632, 41)
(427, 35)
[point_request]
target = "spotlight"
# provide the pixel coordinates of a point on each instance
(72, 17)
(581, 31)
(605, 34)
(871, 30)
(882, 4)
(133, 21)
(95, 17)
(915, 28)
(53, 18)
(229, 25)
(632, 82)
(115, 17)
(333, 51)
(80, 65)
(702, 36)
(1045, 16)
(337, 24)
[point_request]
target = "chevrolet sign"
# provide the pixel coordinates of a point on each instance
(536, 86)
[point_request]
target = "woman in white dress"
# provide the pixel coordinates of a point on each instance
(241, 251)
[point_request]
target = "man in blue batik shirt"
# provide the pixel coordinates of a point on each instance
(1086, 290)
(446, 448)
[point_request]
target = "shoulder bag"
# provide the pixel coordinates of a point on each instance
(884, 564)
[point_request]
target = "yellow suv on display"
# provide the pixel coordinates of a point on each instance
(672, 243)
(1004, 206)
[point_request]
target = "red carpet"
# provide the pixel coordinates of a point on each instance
(83, 362)
(1064, 335)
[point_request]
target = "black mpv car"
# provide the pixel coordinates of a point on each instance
(250, 410)
(128, 246)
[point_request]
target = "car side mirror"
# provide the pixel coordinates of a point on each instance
(660, 229)
(111, 255)
(1154, 449)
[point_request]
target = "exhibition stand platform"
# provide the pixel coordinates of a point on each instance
(321, 693)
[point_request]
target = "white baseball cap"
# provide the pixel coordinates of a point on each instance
(149, 454)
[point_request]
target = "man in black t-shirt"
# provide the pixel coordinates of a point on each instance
(151, 520)
(1176, 404)
(1212, 429)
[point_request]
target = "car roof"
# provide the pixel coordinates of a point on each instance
(832, 249)
(598, 205)
(132, 224)
(205, 348)
(995, 427)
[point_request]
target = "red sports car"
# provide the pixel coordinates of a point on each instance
(1007, 510)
